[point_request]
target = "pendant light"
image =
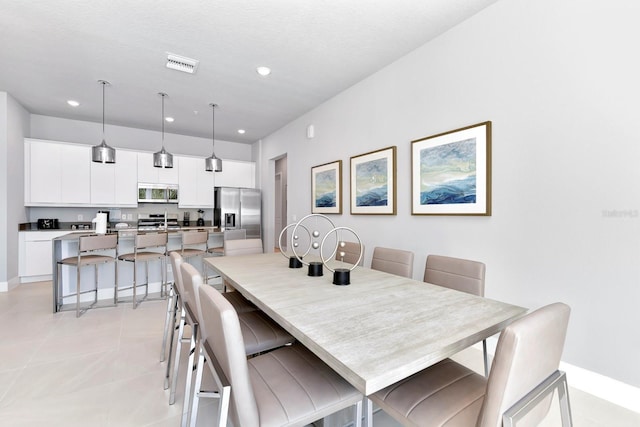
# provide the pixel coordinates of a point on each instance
(102, 153)
(162, 158)
(213, 163)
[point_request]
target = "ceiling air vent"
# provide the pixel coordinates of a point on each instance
(180, 63)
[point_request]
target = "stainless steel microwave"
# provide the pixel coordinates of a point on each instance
(157, 193)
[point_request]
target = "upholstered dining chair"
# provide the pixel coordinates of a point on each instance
(259, 332)
(459, 274)
(289, 386)
(351, 253)
(394, 261)
(520, 385)
(238, 247)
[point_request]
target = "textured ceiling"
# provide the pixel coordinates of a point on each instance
(55, 50)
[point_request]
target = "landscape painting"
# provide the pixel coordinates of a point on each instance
(451, 172)
(373, 178)
(326, 188)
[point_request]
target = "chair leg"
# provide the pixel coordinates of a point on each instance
(565, 406)
(77, 291)
(176, 363)
(368, 410)
(115, 285)
(192, 413)
(165, 334)
(486, 358)
(135, 284)
(194, 350)
(358, 418)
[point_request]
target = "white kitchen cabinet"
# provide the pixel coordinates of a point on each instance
(150, 174)
(195, 183)
(236, 173)
(57, 173)
(115, 184)
(35, 254)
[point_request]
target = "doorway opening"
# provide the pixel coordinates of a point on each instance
(280, 202)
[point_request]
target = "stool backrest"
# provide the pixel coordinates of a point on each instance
(151, 240)
(98, 242)
(197, 237)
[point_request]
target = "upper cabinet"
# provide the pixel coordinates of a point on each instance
(148, 173)
(196, 184)
(236, 173)
(115, 184)
(56, 173)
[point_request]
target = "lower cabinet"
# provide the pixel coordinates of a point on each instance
(35, 258)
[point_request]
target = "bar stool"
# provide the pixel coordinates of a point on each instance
(192, 244)
(147, 247)
(87, 248)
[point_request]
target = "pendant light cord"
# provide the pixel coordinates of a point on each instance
(103, 85)
(162, 119)
(213, 128)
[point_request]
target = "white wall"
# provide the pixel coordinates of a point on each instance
(14, 126)
(57, 129)
(559, 81)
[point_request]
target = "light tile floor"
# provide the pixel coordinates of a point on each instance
(103, 369)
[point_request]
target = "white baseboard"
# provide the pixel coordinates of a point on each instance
(606, 388)
(11, 284)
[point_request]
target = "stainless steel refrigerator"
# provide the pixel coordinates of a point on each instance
(238, 208)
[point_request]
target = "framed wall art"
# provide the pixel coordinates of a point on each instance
(373, 182)
(451, 172)
(326, 188)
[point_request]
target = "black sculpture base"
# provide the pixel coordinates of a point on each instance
(294, 262)
(315, 269)
(342, 276)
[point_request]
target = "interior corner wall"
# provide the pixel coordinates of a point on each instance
(557, 80)
(14, 127)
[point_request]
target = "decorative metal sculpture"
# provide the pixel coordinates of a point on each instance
(294, 262)
(341, 276)
(314, 267)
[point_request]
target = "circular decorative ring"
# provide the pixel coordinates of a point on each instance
(315, 234)
(340, 243)
(282, 234)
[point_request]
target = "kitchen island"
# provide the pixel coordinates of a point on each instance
(67, 246)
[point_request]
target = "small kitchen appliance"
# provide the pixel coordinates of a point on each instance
(186, 218)
(200, 222)
(48, 224)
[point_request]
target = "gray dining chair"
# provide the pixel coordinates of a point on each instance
(520, 386)
(260, 334)
(351, 253)
(394, 261)
(289, 386)
(459, 274)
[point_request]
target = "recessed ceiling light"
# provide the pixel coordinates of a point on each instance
(73, 103)
(263, 71)
(169, 119)
(241, 131)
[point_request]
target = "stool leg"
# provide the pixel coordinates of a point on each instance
(177, 312)
(135, 275)
(194, 352)
(115, 285)
(146, 275)
(95, 269)
(77, 291)
(176, 361)
(170, 308)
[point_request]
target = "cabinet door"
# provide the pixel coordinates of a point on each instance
(196, 184)
(187, 177)
(103, 188)
(151, 174)
(126, 179)
(43, 169)
(146, 172)
(75, 174)
(236, 173)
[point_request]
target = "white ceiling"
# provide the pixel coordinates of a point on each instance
(55, 50)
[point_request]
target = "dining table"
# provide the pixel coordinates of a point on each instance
(374, 332)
